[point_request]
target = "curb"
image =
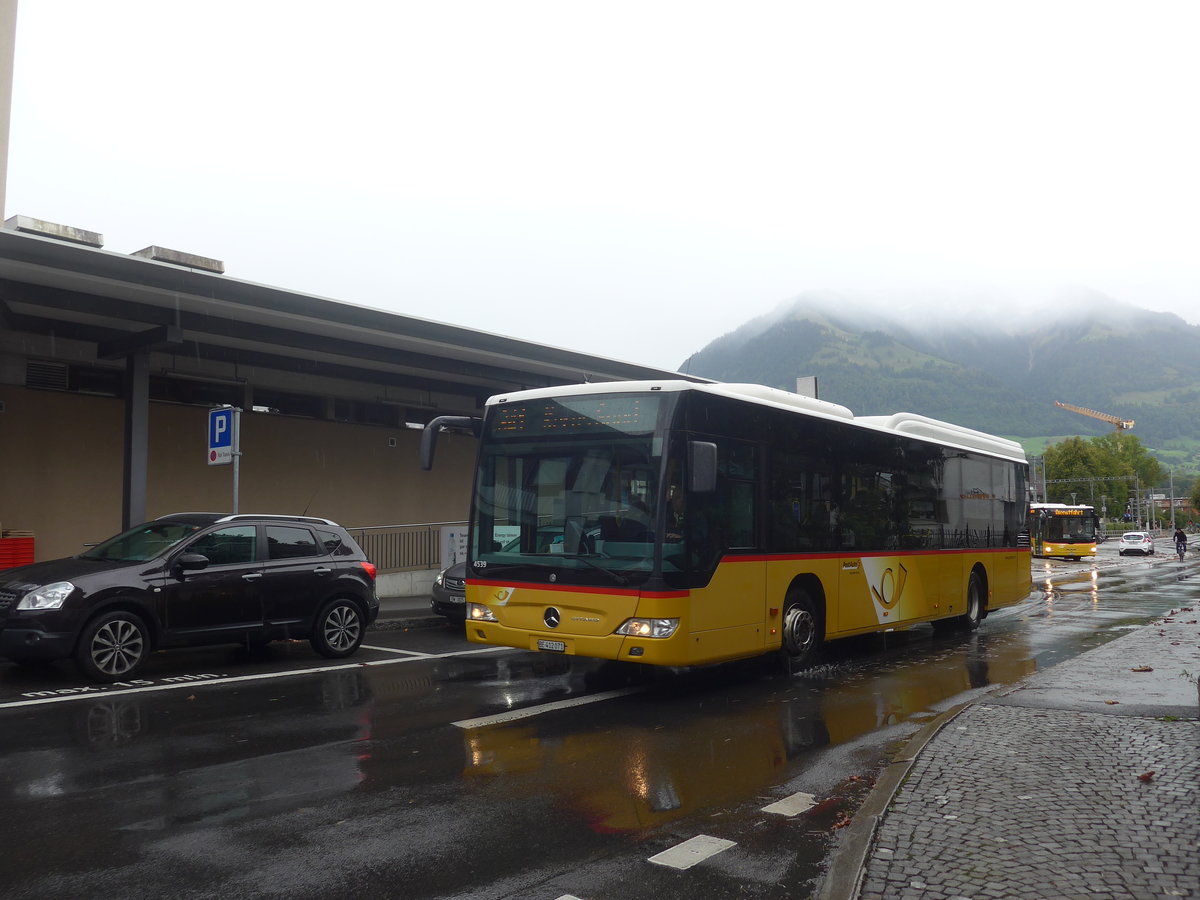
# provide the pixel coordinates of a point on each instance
(842, 878)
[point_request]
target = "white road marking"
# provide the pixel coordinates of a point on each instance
(92, 692)
(175, 682)
(793, 805)
(393, 650)
(452, 654)
(530, 711)
(692, 851)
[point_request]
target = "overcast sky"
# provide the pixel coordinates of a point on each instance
(632, 179)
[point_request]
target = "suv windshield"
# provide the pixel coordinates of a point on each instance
(142, 542)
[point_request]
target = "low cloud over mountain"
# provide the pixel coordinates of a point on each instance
(971, 361)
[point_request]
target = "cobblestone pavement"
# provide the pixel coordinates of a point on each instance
(1018, 802)
(1083, 781)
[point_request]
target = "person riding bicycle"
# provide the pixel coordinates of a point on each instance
(1180, 541)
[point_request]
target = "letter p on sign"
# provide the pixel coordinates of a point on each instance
(220, 436)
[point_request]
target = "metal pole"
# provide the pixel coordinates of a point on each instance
(1172, 497)
(1137, 500)
(137, 438)
(237, 454)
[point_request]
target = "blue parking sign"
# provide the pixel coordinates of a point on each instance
(220, 436)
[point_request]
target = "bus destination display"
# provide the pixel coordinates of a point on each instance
(577, 415)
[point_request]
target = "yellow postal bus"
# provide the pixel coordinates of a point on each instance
(1059, 530)
(681, 524)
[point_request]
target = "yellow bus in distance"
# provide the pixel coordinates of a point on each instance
(679, 524)
(1057, 530)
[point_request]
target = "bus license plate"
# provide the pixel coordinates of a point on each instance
(556, 646)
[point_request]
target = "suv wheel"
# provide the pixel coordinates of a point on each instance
(113, 646)
(339, 629)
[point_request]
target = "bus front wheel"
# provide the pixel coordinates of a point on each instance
(802, 630)
(970, 619)
(974, 613)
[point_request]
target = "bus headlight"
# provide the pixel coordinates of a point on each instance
(648, 628)
(477, 612)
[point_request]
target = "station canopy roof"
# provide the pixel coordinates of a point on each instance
(62, 293)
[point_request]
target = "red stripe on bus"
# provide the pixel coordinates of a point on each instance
(789, 557)
(730, 560)
(577, 589)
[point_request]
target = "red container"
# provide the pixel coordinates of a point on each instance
(15, 551)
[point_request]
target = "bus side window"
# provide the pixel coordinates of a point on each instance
(800, 498)
(732, 519)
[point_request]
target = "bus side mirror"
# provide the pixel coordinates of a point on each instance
(431, 431)
(702, 467)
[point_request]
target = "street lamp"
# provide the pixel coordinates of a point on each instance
(1137, 500)
(1171, 495)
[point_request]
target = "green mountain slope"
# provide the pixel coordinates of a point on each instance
(1100, 355)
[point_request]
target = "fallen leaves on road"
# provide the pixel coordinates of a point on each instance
(1112, 702)
(1146, 776)
(1142, 669)
(843, 820)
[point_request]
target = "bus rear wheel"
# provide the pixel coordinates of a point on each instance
(802, 630)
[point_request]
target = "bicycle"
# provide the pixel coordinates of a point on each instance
(1180, 548)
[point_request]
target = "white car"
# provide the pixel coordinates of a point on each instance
(1136, 542)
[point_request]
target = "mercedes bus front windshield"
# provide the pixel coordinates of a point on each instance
(1075, 525)
(571, 488)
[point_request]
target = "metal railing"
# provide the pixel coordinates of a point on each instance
(397, 548)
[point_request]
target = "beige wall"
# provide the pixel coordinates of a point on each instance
(61, 457)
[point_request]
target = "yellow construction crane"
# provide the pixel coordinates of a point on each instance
(1121, 424)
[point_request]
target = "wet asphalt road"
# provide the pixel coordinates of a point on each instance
(431, 768)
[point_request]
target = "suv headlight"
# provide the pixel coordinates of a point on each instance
(648, 628)
(48, 596)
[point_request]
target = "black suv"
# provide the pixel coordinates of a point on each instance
(188, 579)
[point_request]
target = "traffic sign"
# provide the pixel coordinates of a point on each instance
(220, 436)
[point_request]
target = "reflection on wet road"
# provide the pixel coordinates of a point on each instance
(408, 774)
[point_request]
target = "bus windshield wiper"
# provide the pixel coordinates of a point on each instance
(619, 579)
(508, 568)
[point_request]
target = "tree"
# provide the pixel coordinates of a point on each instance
(1071, 459)
(1130, 457)
(1101, 466)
